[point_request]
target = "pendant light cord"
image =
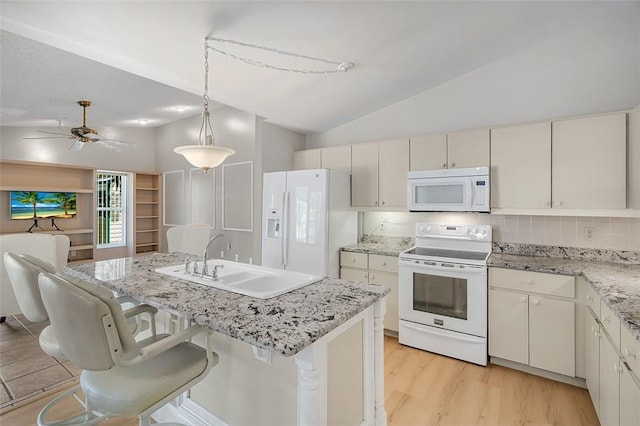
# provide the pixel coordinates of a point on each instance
(341, 66)
(206, 124)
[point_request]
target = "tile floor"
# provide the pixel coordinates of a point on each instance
(25, 370)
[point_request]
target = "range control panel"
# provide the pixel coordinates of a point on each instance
(454, 232)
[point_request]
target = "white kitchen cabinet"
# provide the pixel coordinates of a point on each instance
(629, 398)
(393, 166)
(609, 412)
(521, 166)
(374, 269)
(526, 326)
(612, 365)
(364, 175)
(509, 325)
(307, 159)
(379, 173)
(592, 347)
(337, 158)
(428, 152)
(589, 162)
(468, 148)
(552, 334)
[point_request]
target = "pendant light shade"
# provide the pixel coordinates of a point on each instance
(204, 156)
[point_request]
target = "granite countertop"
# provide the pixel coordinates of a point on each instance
(284, 324)
(384, 246)
(617, 283)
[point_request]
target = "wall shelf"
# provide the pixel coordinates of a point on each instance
(147, 212)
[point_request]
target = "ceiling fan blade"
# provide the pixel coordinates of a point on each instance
(116, 144)
(53, 137)
(77, 146)
(54, 133)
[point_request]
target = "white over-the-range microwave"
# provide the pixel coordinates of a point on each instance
(449, 190)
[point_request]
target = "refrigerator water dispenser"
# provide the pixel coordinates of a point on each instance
(273, 223)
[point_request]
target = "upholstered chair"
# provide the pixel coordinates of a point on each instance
(53, 249)
(23, 270)
(191, 239)
(120, 377)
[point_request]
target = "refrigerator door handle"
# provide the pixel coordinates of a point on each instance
(283, 237)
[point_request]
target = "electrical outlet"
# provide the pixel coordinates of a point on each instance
(589, 232)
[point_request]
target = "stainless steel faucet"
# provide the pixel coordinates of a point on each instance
(205, 269)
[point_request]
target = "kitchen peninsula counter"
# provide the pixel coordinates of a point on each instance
(618, 284)
(312, 356)
(284, 324)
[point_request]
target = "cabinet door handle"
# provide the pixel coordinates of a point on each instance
(627, 353)
(617, 367)
(376, 203)
(589, 297)
(384, 263)
(353, 260)
(444, 165)
(606, 319)
(372, 277)
(546, 203)
(535, 301)
(558, 203)
(523, 298)
(382, 203)
(530, 282)
(453, 164)
(365, 275)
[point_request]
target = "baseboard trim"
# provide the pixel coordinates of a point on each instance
(574, 381)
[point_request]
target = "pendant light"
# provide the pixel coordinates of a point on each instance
(206, 155)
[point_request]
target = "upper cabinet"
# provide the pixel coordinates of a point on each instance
(453, 150)
(334, 157)
(379, 173)
(428, 152)
(521, 166)
(589, 162)
(307, 159)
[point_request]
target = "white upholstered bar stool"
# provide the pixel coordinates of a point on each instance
(23, 270)
(53, 249)
(120, 377)
(190, 239)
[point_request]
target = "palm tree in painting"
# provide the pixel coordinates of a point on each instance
(66, 201)
(28, 197)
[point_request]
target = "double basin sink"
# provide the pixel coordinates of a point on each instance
(250, 280)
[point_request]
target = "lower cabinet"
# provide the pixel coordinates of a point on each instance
(531, 328)
(374, 269)
(613, 384)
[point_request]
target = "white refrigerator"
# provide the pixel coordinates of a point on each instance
(306, 218)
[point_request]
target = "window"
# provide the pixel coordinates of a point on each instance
(111, 206)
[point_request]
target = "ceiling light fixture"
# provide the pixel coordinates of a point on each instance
(340, 66)
(206, 155)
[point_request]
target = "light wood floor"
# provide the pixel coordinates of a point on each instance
(426, 389)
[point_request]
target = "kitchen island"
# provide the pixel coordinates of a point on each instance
(303, 330)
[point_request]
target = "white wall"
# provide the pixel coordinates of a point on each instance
(268, 146)
(55, 151)
(593, 69)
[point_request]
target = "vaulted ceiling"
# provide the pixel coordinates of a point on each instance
(139, 60)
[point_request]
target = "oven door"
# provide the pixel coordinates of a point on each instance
(444, 295)
(440, 194)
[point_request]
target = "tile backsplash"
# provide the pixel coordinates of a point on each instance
(613, 233)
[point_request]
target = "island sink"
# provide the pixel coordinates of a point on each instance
(250, 280)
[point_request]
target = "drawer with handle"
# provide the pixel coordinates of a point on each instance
(383, 263)
(610, 322)
(593, 300)
(532, 282)
(353, 260)
(630, 348)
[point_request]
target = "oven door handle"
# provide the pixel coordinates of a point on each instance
(470, 339)
(426, 268)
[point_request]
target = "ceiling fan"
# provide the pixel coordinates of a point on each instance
(84, 135)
